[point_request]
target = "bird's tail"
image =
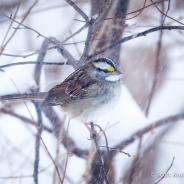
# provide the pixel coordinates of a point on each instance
(26, 96)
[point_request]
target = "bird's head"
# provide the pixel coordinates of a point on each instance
(106, 69)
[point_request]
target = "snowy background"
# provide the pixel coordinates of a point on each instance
(156, 149)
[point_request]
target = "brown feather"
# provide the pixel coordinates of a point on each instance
(76, 86)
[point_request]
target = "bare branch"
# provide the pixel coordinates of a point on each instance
(56, 122)
(117, 150)
(26, 55)
(77, 32)
(59, 141)
(45, 146)
(92, 25)
(102, 174)
(9, 28)
(32, 63)
(136, 11)
(157, 66)
(77, 9)
(64, 52)
(66, 162)
(88, 41)
(166, 14)
(22, 118)
(37, 144)
(24, 26)
(52, 40)
(128, 38)
(41, 56)
(140, 133)
(168, 8)
(27, 13)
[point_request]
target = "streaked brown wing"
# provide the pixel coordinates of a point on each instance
(77, 86)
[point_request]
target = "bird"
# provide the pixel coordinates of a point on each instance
(87, 94)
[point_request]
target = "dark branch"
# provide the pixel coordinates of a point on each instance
(24, 26)
(26, 55)
(25, 16)
(88, 41)
(56, 123)
(64, 52)
(52, 40)
(37, 144)
(37, 74)
(102, 174)
(24, 119)
(32, 63)
(91, 31)
(128, 38)
(157, 66)
(140, 133)
(77, 9)
(166, 14)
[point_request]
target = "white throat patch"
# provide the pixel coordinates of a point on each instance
(113, 78)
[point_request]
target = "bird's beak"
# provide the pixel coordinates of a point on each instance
(119, 72)
(115, 76)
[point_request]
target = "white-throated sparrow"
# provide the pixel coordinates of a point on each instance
(86, 94)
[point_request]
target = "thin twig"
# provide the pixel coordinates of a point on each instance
(26, 55)
(59, 141)
(86, 25)
(141, 132)
(64, 52)
(137, 35)
(136, 11)
(37, 75)
(9, 27)
(29, 175)
(166, 14)
(157, 65)
(25, 16)
(71, 3)
(91, 31)
(41, 9)
(118, 150)
(40, 58)
(134, 164)
(166, 171)
(168, 8)
(24, 119)
(67, 156)
(56, 122)
(37, 144)
(75, 33)
(40, 137)
(52, 40)
(24, 26)
(125, 39)
(33, 63)
(118, 27)
(88, 41)
(37, 128)
(107, 147)
(139, 12)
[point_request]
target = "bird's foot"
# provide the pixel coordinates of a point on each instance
(93, 133)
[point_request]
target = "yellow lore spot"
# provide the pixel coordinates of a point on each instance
(110, 68)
